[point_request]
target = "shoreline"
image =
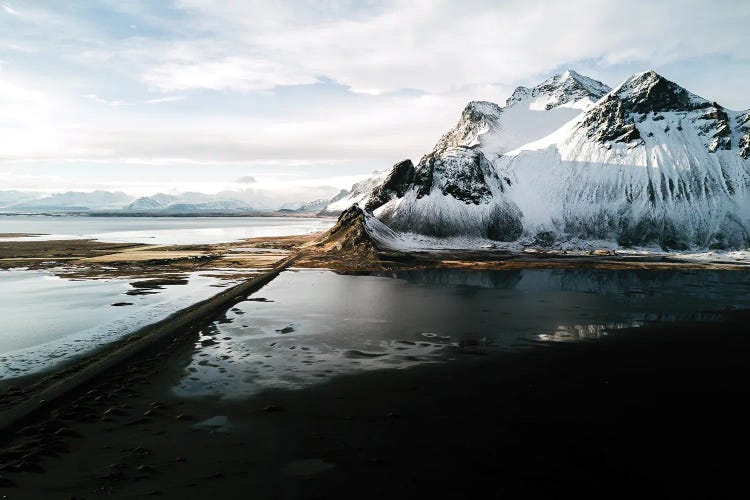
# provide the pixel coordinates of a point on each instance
(139, 258)
(22, 403)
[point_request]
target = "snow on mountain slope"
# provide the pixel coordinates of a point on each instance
(569, 89)
(188, 203)
(357, 195)
(12, 197)
(74, 201)
(529, 114)
(455, 190)
(648, 163)
(310, 207)
(154, 202)
(651, 163)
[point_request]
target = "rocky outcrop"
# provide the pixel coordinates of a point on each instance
(459, 172)
(744, 130)
(349, 235)
(477, 119)
(609, 121)
(455, 192)
(647, 96)
(395, 185)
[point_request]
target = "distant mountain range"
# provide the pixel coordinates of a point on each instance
(121, 203)
(189, 203)
(18, 201)
(648, 163)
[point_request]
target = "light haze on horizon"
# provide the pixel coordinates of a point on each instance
(295, 100)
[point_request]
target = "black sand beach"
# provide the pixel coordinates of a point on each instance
(656, 410)
(660, 410)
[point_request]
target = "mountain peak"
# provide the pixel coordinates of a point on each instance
(649, 91)
(477, 118)
(569, 89)
(483, 108)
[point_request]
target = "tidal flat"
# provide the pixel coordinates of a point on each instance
(436, 370)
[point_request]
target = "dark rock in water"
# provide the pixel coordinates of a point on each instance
(399, 180)
(286, 329)
(120, 304)
(158, 283)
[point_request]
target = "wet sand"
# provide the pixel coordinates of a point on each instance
(656, 411)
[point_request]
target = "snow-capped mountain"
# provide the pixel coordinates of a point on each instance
(646, 163)
(12, 197)
(73, 201)
(489, 129)
(651, 163)
(457, 183)
(529, 114)
(158, 201)
(358, 194)
(188, 203)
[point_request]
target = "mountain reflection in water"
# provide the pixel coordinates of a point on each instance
(309, 325)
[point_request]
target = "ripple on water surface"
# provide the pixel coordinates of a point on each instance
(309, 325)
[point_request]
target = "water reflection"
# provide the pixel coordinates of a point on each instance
(49, 319)
(307, 326)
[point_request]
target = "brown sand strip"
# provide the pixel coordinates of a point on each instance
(143, 338)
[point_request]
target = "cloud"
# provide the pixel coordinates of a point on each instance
(160, 100)
(100, 100)
(437, 46)
(303, 83)
(246, 179)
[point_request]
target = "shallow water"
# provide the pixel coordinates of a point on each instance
(158, 230)
(308, 325)
(47, 319)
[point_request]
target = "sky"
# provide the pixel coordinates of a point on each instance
(292, 101)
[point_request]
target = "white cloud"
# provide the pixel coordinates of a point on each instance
(439, 46)
(160, 100)
(218, 56)
(100, 100)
